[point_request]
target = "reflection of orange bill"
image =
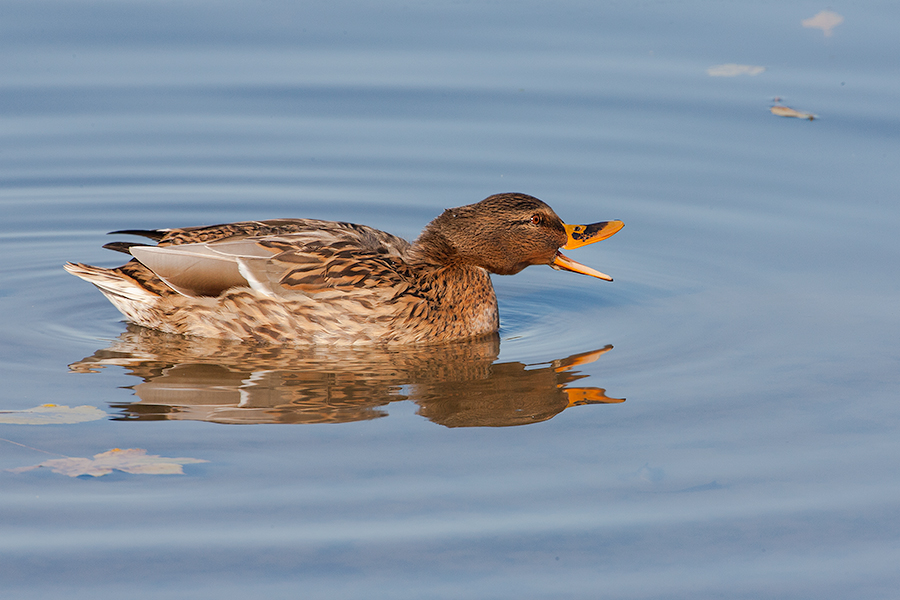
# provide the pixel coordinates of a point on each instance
(579, 396)
(581, 359)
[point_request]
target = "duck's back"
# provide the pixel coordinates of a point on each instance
(314, 230)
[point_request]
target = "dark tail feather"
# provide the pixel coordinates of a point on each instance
(123, 247)
(153, 234)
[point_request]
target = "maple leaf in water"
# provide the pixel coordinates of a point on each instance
(131, 460)
(51, 414)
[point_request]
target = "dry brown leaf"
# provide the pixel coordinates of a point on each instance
(51, 414)
(785, 111)
(131, 460)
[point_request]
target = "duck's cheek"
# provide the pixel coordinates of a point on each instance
(513, 269)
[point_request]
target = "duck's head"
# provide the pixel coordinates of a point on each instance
(506, 233)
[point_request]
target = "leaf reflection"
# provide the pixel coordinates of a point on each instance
(455, 385)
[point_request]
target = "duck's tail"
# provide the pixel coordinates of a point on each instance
(130, 297)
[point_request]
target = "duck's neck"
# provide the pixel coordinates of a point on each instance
(433, 249)
(464, 300)
(461, 295)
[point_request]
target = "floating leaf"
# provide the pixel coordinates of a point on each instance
(733, 70)
(132, 460)
(785, 111)
(51, 414)
(825, 20)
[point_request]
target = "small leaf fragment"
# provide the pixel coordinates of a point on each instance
(825, 20)
(131, 460)
(52, 414)
(733, 70)
(786, 111)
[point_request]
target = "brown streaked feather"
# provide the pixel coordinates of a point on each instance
(316, 232)
(271, 265)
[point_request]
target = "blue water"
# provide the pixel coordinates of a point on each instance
(753, 318)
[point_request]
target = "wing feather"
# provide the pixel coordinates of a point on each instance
(342, 256)
(191, 270)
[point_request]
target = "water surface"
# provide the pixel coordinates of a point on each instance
(751, 328)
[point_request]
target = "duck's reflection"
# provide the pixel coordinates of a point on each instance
(456, 385)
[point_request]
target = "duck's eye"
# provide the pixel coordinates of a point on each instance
(537, 219)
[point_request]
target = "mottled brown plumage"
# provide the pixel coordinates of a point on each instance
(303, 281)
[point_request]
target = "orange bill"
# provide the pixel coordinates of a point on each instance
(564, 263)
(582, 235)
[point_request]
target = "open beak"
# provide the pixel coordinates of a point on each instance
(582, 235)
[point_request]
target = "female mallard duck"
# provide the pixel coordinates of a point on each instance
(303, 281)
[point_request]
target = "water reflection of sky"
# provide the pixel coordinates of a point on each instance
(753, 313)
